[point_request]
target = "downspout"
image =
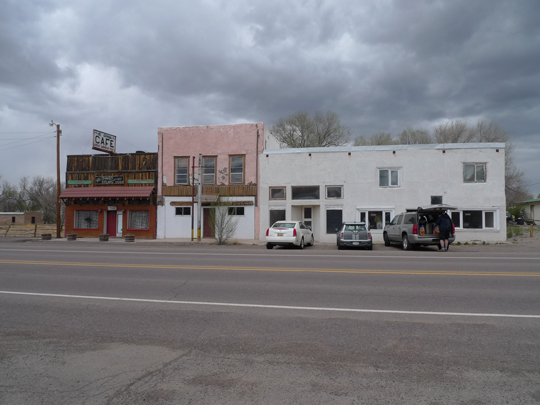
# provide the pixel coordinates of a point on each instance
(160, 180)
(257, 209)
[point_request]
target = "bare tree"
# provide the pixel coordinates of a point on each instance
(223, 223)
(42, 194)
(456, 131)
(380, 138)
(301, 131)
(411, 136)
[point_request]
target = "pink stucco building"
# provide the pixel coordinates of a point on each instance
(230, 171)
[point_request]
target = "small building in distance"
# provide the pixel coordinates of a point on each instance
(21, 218)
(111, 194)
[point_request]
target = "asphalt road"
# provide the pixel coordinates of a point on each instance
(166, 324)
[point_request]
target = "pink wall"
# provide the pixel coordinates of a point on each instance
(217, 140)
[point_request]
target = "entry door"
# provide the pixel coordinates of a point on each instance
(307, 216)
(208, 223)
(111, 223)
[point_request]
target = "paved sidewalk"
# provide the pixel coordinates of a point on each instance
(188, 241)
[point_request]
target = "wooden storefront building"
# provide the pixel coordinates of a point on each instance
(111, 194)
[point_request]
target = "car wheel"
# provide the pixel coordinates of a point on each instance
(269, 246)
(301, 243)
(370, 247)
(312, 241)
(386, 240)
(406, 244)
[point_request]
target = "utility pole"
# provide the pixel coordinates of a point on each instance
(199, 199)
(58, 219)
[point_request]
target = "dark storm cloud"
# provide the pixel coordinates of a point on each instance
(381, 65)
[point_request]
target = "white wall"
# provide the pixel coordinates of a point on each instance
(171, 225)
(424, 171)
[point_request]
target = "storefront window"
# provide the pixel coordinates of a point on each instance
(139, 219)
(86, 219)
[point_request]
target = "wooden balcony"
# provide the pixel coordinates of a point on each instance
(224, 191)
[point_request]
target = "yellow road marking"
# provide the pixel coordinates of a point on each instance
(274, 269)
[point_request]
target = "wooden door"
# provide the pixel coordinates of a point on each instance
(111, 223)
(208, 223)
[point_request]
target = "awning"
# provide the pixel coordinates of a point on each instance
(107, 192)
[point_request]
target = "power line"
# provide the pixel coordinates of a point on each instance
(29, 143)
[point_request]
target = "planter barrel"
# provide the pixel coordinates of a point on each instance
(104, 238)
(46, 236)
(71, 236)
(129, 238)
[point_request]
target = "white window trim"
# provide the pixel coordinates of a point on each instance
(182, 215)
(475, 164)
(277, 187)
(333, 198)
(390, 169)
(360, 210)
(496, 221)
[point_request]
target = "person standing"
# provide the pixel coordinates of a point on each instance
(445, 227)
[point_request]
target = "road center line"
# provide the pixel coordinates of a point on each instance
(275, 269)
(284, 307)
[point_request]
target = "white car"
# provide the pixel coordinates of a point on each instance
(289, 233)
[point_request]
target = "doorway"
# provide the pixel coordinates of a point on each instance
(111, 223)
(208, 223)
(307, 216)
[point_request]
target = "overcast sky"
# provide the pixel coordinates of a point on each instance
(128, 67)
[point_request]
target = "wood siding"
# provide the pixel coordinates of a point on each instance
(141, 167)
(225, 191)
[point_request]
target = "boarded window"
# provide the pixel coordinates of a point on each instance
(277, 193)
(334, 191)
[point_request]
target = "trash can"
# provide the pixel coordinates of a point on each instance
(520, 221)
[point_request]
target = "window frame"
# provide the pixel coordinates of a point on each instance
(390, 170)
(233, 211)
(176, 170)
(284, 209)
(130, 213)
(243, 169)
(335, 198)
(183, 214)
(460, 215)
(301, 199)
(277, 188)
(207, 174)
(475, 175)
(76, 219)
(387, 214)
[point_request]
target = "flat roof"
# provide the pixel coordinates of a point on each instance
(430, 146)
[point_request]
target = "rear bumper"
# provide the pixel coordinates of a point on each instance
(282, 240)
(428, 240)
(356, 243)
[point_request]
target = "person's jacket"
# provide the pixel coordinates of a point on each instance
(444, 222)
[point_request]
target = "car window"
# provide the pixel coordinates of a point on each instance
(283, 225)
(410, 219)
(302, 226)
(355, 227)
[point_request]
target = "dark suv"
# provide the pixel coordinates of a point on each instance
(417, 227)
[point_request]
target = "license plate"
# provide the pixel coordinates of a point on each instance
(279, 234)
(356, 243)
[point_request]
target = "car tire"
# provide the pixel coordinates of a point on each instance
(301, 243)
(406, 244)
(370, 247)
(386, 239)
(269, 246)
(312, 241)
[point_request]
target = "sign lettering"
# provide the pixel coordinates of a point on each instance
(103, 142)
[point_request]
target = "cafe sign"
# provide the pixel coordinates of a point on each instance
(103, 142)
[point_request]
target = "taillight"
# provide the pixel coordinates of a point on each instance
(342, 235)
(294, 232)
(453, 229)
(415, 229)
(369, 235)
(268, 232)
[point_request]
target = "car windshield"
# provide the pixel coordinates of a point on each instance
(355, 227)
(283, 225)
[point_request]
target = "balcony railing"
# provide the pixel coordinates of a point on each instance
(225, 191)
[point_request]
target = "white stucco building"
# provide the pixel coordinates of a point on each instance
(326, 186)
